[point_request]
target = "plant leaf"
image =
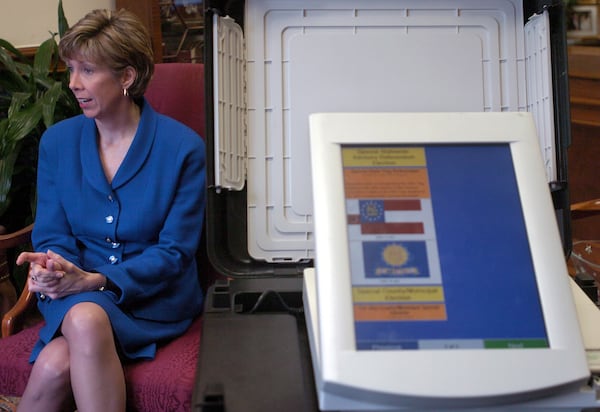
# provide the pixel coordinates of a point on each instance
(17, 102)
(6, 59)
(7, 164)
(43, 58)
(48, 102)
(12, 49)
(63, 25)
(7, 62)
(20, 124)
(4, 143)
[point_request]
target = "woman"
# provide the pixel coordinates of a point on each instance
(119, 216)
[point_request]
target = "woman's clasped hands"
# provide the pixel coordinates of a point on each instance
(52, 275)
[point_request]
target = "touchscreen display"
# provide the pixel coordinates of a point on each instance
(439, 252)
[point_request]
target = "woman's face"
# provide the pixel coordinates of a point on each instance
(97, 89)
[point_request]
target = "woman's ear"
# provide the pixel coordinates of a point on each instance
(128, 77)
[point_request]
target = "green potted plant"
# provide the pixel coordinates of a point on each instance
(34, 94)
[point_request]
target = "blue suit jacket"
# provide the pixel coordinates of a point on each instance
(143, 229)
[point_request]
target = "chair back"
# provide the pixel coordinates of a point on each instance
(177, 90)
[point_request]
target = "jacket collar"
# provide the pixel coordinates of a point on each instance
(134, 160)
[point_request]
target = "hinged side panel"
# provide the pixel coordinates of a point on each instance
(229, 104)
(548, 99)
(539, 87)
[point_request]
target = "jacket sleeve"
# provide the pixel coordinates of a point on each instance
(51, 229)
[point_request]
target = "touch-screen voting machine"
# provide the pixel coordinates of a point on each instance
(439, 277)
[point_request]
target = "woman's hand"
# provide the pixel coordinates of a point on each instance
(56, 277)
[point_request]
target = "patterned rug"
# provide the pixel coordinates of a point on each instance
(8, 403)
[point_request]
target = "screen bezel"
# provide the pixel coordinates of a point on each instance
(483, 374)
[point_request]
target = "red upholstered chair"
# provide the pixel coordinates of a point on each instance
(165, 383)
(177, 90)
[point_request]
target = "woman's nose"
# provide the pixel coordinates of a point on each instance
(73, 81)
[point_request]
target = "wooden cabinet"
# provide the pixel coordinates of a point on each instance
(177, 28)
(584, 83)
(149, 12)
(584, 152)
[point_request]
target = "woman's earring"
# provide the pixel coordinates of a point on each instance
(125, 92)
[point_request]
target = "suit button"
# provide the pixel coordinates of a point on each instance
(113, 259)
(109, 219)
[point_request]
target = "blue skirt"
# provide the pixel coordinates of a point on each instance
(135, 338)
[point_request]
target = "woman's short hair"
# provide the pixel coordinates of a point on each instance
(116, 39)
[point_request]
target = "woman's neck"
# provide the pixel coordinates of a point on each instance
(121, 124)
(115, 137)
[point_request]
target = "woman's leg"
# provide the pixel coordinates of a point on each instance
(49, 385)
(97, 378)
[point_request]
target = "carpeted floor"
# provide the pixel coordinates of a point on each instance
(8, 403)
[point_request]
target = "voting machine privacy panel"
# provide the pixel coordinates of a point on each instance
(269, 65)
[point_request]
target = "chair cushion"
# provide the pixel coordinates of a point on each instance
(14, 360)
(165, 383)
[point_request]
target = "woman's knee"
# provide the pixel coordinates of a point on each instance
(53, 361)
(86, 320)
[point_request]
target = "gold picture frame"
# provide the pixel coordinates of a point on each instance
(583, 21)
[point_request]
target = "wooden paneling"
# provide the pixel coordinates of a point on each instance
(584, 152)
(584, 83)
(149, 12)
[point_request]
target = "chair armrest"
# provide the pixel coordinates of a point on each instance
(586, 208)
(8, 241)
(17, 238)
(15, 317)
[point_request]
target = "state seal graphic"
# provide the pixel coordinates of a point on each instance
(393, 259)
(395, 255)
